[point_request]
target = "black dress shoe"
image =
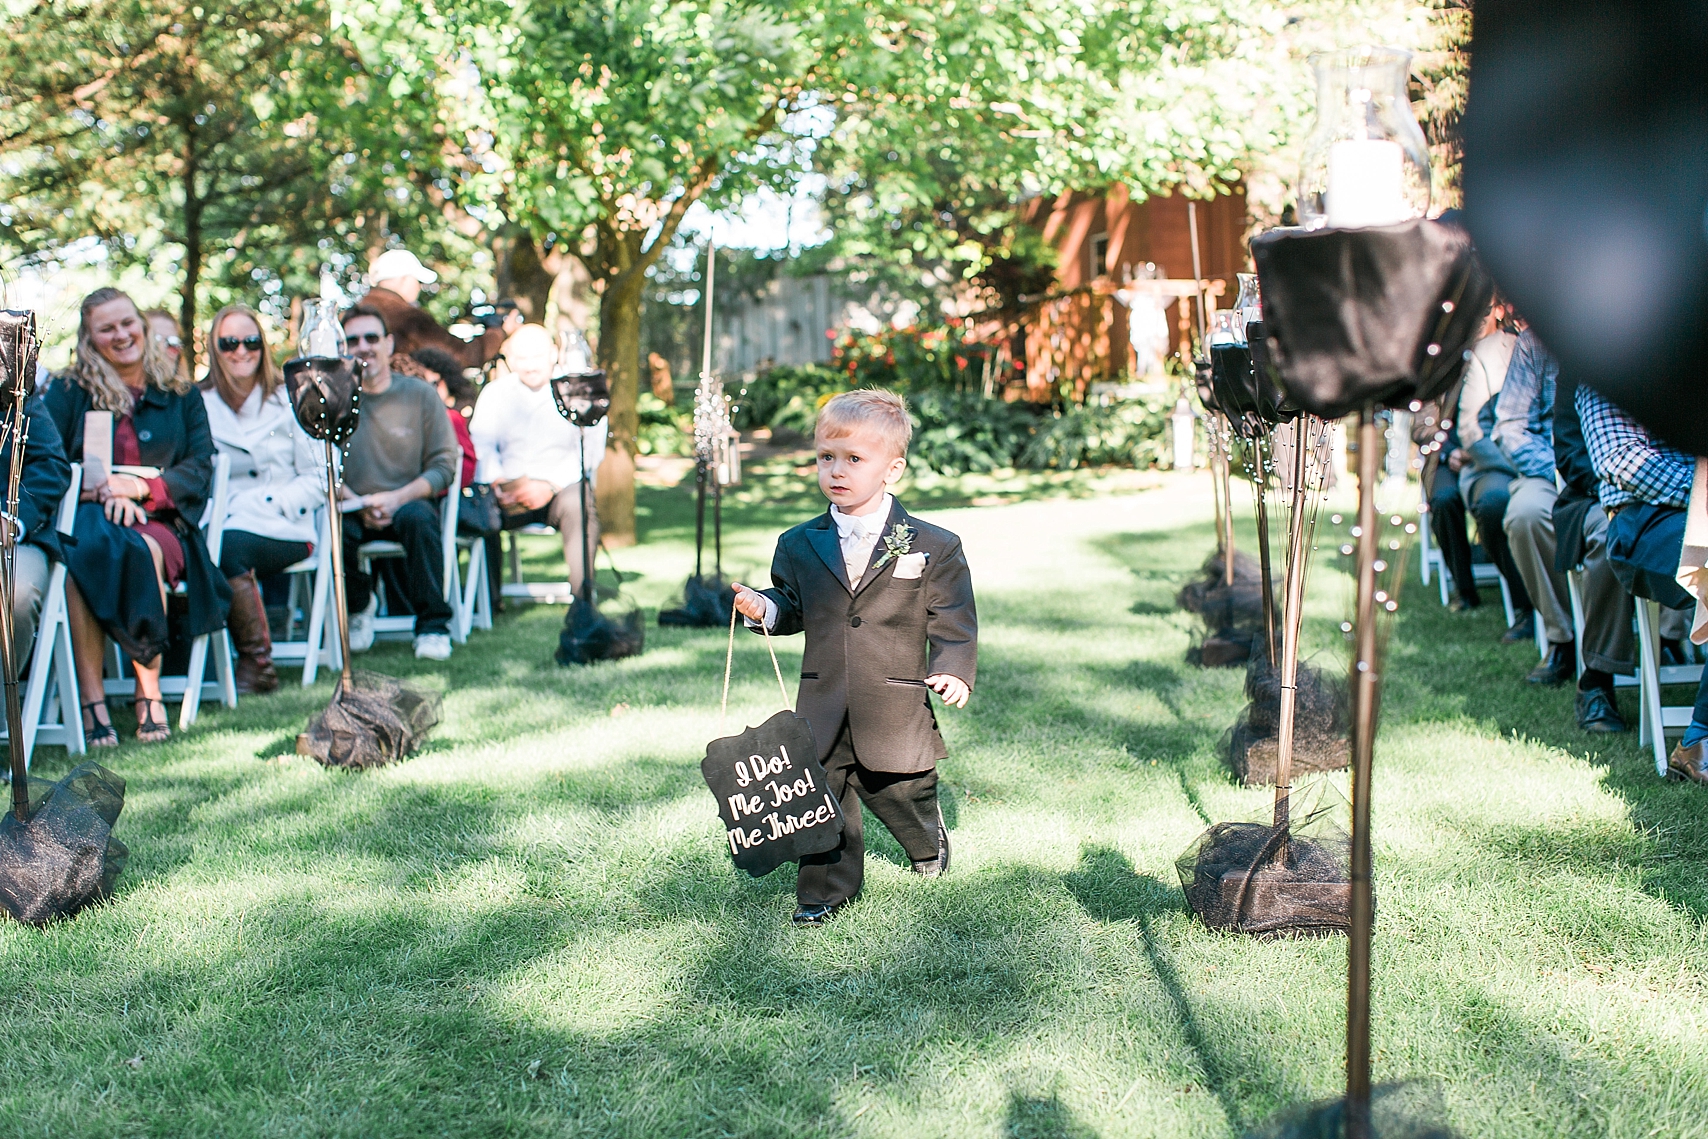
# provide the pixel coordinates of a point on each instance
(1561, 666)
(1523, 629)
(1460, 603)
(1689, 763)
(816, 915)
(933, 867)
(1596, 712)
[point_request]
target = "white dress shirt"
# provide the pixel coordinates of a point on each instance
(858, 535)
(519, 433)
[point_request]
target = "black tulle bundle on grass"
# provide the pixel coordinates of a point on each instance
(65, 856)
(371, 721)
(592, 633)
(1319, 722)
(1232, 613)
(1274, 880)
(1211, 597)
(1410, 1109)
(706, 603)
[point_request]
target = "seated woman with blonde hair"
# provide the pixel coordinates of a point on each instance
(137, 531)
(277, 481)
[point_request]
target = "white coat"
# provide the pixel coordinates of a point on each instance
(278, 476)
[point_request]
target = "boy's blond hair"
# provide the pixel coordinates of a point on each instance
(884, 413)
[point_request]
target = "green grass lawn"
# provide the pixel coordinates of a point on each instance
(533, 927)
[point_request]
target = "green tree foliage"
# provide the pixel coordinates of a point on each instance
(244, 141)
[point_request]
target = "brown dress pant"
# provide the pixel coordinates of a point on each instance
(905, 803)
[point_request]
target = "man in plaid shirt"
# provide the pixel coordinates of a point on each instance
(1644, 487)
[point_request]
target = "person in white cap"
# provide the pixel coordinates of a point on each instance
(396, 277)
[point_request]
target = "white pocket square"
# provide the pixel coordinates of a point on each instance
(910, 566)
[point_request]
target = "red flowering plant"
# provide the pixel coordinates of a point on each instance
(913, 359)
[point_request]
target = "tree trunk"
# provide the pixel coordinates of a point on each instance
(619, 354)
(521, 273)
(192, 261)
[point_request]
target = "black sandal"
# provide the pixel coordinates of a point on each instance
(148, 729)
(95, 732)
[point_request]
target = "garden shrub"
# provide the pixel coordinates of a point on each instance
(956, 429)
(664, 430)
(959, 433)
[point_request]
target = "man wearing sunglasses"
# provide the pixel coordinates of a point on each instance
(402, 457)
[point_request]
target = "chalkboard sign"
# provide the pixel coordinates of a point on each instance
(771, 794)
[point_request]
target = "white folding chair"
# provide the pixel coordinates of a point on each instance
(1658, 719)
(1434, 564)
(401, 627)
(51, 712)
(474, 608)
(542, 592)
(311, 594)
(194, 686)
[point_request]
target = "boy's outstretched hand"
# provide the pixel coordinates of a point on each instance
(952, 689)
(748, 602)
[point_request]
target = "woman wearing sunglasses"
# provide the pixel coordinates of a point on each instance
(136, 531)
(276, 482)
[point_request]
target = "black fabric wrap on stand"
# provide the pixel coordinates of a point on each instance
(590, 633)
(1246, 386)
(1357, 320)
(1369, 316)
(326, 394)
(65, 856)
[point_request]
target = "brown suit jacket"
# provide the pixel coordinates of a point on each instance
(870, 649)
(413, 327)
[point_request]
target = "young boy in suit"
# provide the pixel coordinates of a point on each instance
(886, 602)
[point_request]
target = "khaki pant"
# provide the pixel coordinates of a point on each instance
(31, 571)
(563, 514)
(1529, 526)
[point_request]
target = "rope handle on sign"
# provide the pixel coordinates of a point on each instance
(729, 661)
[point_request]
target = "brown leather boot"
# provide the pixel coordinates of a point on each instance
(1689, 763)
(250, 636)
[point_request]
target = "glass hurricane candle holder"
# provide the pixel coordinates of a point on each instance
(322, 336)
(1367, 163)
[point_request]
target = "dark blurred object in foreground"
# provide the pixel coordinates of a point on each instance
(1586, 184)
(65, 857)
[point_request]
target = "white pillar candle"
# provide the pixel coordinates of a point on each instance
(1365, 183)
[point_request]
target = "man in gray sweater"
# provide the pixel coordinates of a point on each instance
(400, 461)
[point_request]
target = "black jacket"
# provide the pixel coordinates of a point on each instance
(47, 475)
(172, 434)
(1582, 489)
(870, 649)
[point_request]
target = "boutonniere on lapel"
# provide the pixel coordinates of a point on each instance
(896, 543)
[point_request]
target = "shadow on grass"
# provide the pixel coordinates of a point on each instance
(1110, 889)
(1445, 667)
(1042, 1117)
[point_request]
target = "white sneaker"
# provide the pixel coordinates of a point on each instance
(362, 627)
(433, 646)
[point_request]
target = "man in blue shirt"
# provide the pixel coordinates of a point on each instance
(1524, 431)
